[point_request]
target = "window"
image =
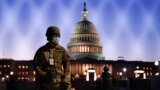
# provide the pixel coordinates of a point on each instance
(19, 73)
(80, 48)
(4, 66)
(137, 67)
(19, 67)
(85, 49)
(144, 68)
(26, 66)
(147, 68)
(150, 68)
(23, 66)
(117, 73)
(22, 78)
(26, 73)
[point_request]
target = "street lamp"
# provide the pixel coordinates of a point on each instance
(11, 73)
(124, 69)
(156, 63)
(7, 76)
(125, 74)
(120, 74)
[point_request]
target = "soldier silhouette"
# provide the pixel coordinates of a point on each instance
(106, 79)
(52, 64)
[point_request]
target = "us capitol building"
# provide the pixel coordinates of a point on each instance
(85, 41)
(87, 60)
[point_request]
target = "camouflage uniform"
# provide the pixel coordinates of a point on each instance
(52, 77)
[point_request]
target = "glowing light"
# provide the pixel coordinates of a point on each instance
(34, 79)
(34, 72)
(84, 73)
(138, 71)
(8, 65)
(124, 69)
(11, 73)
(7, 76)
(22, 78)
(98, 76)
(76, 76)
(3, 78)
(156, 63)
(157, 74)
(120, 73)
(19, 66)
(4, 65)
(137, 67)
(73, 88)
(23, 66)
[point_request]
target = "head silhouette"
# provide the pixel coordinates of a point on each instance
(106, 69)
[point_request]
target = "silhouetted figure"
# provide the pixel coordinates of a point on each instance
(106, 79)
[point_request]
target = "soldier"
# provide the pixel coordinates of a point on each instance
(106, 79)
(52, 64)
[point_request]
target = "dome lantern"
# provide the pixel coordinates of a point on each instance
(84, 13)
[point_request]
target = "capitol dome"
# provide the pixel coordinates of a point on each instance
(85, 41)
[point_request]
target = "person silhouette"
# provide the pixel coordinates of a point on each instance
(106, 79)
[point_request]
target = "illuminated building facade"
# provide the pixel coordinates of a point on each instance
(85, 51)
(85, 68)
(19, 70)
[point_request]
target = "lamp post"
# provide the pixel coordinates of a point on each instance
(11, 73)
(125, 70)
(156, 63)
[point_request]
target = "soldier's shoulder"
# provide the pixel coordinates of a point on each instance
(42, 48)
(59, 47)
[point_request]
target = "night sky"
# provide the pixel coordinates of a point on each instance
(129, 28)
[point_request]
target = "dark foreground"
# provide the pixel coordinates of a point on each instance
(130, 84)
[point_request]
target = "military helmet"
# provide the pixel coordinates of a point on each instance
(106, 68)
(53, 30)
